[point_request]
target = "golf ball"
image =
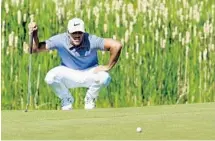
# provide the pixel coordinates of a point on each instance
(139, 129)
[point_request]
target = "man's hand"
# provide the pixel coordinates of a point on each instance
(33, 29)
(101, 68)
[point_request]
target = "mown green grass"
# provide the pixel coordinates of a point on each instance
(191, 121)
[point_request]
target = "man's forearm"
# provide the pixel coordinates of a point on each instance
(114, 55)
(35, 43)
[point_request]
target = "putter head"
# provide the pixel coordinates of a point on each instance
(26, 109)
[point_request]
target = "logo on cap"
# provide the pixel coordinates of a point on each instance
(76, 24)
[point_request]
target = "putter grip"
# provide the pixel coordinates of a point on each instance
(31, 43)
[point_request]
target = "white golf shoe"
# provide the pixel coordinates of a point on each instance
(67, 107)
(89, 103)
(67, 103)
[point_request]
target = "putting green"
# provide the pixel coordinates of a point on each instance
(181, 122)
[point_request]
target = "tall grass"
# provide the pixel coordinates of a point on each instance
(168, 51)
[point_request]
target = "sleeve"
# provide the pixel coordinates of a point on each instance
(97, 42)
(53, 42)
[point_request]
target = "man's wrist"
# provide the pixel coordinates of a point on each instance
(108, 67)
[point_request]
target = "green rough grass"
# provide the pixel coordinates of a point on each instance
(191, 121)
(157, 63)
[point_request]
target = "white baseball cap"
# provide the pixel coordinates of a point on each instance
(75, 25)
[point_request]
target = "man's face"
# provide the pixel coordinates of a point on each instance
(76, 38)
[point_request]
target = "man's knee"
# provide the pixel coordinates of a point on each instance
(51, 77)
(104, 78)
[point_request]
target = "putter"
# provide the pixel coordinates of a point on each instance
(29, 71)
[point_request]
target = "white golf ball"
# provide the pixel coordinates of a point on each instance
(139, 129)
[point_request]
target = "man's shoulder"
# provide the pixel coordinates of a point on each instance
(57, 40)
(91, 37)
(60, 35)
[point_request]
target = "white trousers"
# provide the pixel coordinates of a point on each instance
(61, 78)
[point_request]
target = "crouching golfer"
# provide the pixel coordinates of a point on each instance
(79, 62)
